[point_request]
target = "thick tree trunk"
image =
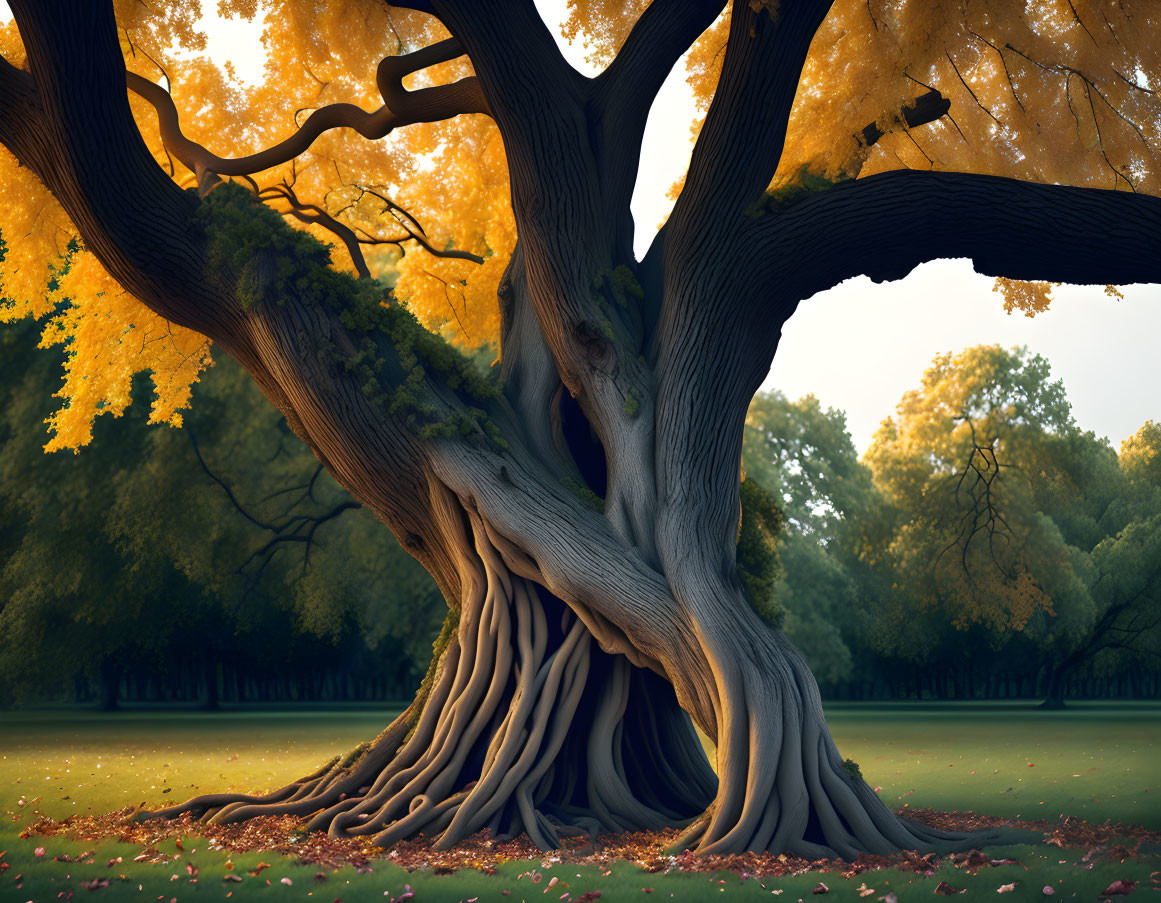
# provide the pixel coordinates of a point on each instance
(523, 724)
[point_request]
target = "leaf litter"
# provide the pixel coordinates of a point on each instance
(284, 835)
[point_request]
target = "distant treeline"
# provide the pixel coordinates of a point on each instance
(983, 547)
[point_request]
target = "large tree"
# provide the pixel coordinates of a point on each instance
(579, 508)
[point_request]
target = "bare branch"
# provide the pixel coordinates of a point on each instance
(975, 493)
(1004, 63)
(312, 213)
(300, 528)
(224, 487)
(400, 108)
(416, 232)
(963, 82)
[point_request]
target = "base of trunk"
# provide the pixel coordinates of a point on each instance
(525, 725)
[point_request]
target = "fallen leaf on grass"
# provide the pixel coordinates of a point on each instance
(1005, 888)
(865, 891)
(1119, 888)
(821, 889)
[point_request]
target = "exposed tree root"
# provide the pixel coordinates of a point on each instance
(527, 727)
(784, 786)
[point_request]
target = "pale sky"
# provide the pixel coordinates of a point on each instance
(860, 346)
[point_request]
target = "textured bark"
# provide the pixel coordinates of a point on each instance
(589, 632)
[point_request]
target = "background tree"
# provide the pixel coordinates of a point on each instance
(194, 586)
(806, 456)
(584, 632)
(1008, 527)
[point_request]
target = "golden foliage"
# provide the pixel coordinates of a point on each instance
(601, 26)
(1056, 91)
(110, 336)
(1029, 297)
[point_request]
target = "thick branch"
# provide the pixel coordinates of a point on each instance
(739, 146)
(625, 91)
(400, 108)
(79, 137)
(20, 116)
(1021, 230)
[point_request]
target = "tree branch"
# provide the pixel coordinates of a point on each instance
(69, 120)
(625, 91)
(312, 213)
(400, 107)
(924, 109)
(741, 142)
(885, 225)
(20, 116)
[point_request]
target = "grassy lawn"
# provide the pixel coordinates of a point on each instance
(1095, 762)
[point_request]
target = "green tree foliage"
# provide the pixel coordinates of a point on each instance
(1012, 528)
(805, 455)
(757, 554)
(156, 551)
(982, 531)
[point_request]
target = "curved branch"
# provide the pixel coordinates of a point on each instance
(886, 225)
(401, 107)
(68, 119)
(406, 220)
(312, 213)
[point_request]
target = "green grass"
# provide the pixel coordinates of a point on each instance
(1093, 761)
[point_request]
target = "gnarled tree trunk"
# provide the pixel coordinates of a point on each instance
(580, 515)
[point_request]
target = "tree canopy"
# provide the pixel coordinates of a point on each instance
(163, 556)
(1061, 92)
(982, 533)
